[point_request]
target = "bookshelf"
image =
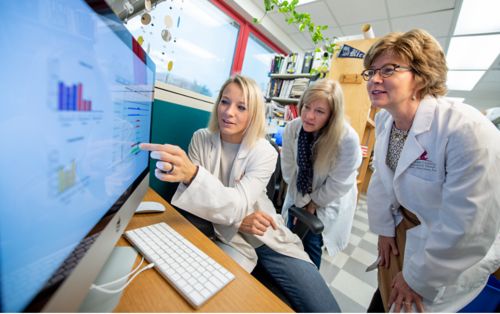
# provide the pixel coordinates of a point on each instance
(289, 77)
(286, 86)
(283, 94)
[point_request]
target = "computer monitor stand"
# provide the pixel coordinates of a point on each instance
(119, 264)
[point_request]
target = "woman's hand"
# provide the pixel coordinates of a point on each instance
(310, 207)
(257, 223)
(403, 296)
(385, 246)
(173, 164)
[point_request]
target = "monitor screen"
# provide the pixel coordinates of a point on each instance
(77, 93)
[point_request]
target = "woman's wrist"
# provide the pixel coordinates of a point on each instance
(195, 172)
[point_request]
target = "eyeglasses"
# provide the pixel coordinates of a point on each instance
(385, 71)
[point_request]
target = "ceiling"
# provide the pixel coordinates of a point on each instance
(345, 18)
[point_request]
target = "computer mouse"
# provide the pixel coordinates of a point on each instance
(150, 207)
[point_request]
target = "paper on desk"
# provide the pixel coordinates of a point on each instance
(374, 265)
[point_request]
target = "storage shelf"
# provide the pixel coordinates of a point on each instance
(286, 100)
(292, 76)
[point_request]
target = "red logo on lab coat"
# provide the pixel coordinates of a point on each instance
(423, 156)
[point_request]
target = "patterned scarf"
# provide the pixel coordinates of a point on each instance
(304, 161)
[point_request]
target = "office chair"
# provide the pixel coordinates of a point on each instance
(306, 222)
(274, 185)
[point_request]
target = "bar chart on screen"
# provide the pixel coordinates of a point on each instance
(63, 177)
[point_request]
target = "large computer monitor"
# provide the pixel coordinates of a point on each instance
(76, 97)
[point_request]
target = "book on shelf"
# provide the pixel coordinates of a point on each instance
(277, 63)
(282, 112)
(278, 110)
(291, 112)
(298, 87)
(294, 63)
(307, 63)
(285, 89)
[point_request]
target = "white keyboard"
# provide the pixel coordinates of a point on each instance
(195, 275)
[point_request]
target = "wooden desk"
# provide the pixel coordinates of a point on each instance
(149, 292)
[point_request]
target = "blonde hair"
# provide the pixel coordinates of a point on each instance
(423, 54)
(254, 101)
(327, 145)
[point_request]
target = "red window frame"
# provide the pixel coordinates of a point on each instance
(245, 29)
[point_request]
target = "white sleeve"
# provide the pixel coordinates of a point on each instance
(380, 214)
(196, 147)
(469, 220)
(288, 163)
(208, 198)
(380, 209)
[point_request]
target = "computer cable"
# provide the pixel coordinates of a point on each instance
(113, 291)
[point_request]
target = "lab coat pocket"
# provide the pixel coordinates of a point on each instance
(425, 169)
(419, 195)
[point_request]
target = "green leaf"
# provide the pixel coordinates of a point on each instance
(302, 20)
(267, 5)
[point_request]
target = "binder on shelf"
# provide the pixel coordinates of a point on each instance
(308, 60)
(319, 60)
(298, 87)
(277, 64)
(292, 63)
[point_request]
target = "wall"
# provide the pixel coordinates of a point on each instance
(177, 114)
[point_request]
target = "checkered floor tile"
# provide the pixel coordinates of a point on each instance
(345, 272)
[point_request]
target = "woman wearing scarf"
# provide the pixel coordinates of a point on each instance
(319, 161)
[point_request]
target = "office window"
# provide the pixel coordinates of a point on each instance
(257, 61)
(191, 42)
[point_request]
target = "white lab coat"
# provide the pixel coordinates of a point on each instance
(226, 207)
(448, 176)
(335, 191)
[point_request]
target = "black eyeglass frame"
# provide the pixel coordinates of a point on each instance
(366, 76)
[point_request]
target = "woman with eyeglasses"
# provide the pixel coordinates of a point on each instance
(319, 162)
(434, 197)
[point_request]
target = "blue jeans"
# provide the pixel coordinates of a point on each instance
(300, 281)
(312, 243)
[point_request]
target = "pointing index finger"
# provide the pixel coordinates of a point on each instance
(168, 148)
(151, 147)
